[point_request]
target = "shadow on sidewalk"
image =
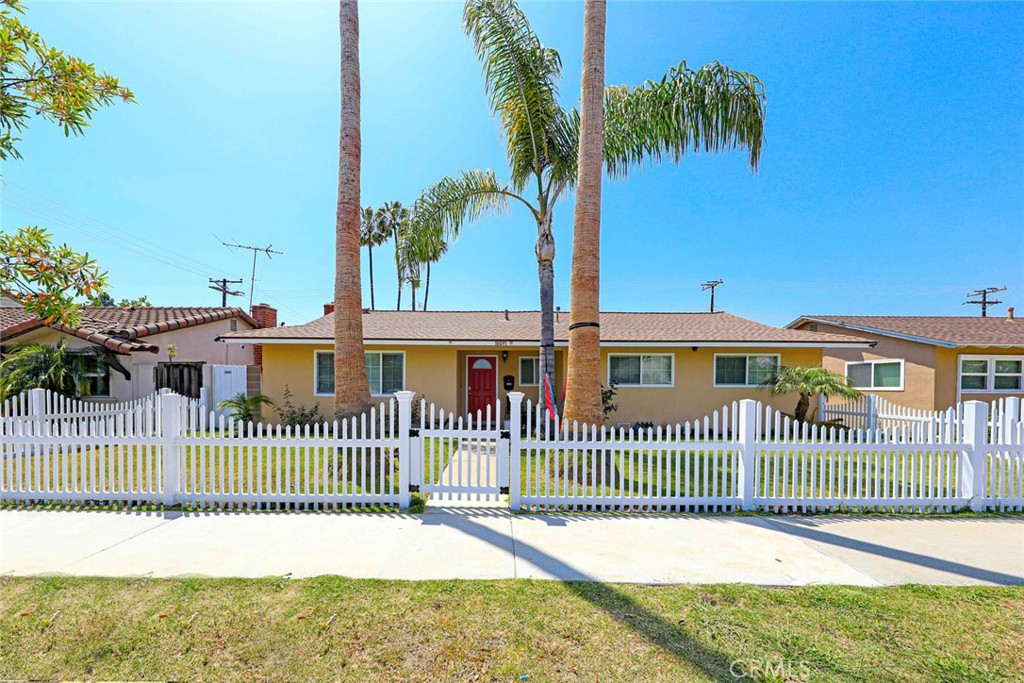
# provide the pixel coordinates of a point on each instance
(655, 629)
(805, 529)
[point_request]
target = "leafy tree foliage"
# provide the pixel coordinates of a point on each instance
(47, 278)
(40, 80)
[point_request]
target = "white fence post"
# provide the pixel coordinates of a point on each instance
(37, 408)
(822, 402)
(747, 440)
(406, 463)
(515, 402)
(972, 462)
(871, 420)
(170, 432)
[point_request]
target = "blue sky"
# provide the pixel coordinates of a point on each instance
(892, 179)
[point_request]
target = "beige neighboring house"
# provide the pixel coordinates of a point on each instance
(668, 367)
(130, 343)
(928, 362)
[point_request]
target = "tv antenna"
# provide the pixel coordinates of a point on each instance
(984, 302)
(711, 285)
(221, 286)
(255, 252)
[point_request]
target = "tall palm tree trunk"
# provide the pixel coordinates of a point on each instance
(583, 380)
(545, 250)
(373, 302)
(426, 290)
(351, 388)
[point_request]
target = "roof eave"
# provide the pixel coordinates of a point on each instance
(876, 330)
(866, 344)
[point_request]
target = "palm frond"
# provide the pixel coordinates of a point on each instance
(520, 77)
(709, 110)
(808, 380)
(448, 205)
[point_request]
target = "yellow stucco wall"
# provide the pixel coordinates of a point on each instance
(919, 365)
(439, 373)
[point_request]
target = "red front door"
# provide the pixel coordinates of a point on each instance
(481, 385)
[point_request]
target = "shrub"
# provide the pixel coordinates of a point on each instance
(291, 415)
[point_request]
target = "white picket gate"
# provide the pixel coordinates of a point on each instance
(746, 456)
(460, 459)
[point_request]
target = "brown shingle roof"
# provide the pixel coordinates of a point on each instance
(941, 330)
(119, 329)
(523, 326)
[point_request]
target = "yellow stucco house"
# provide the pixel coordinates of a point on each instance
(668, 366)
(927, 362)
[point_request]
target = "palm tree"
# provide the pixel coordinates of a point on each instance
(422, 247)
(371, 234)
(711, 109)
(394, 219)
(583, 374)
(808, 382)
(244, 408)
(351, 388)
(39, 366)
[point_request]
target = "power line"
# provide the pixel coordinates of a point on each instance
(221, 286)
(984, 302)
(72, 219)
(711, 284)
(255, 252)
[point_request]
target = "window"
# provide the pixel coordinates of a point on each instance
(529, 371)
(641, 370)
(744, 371)
(385, 371)
(95, 381)
(876, 374)
(992, 373)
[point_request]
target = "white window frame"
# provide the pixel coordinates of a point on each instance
(672, 370)
(316, 361)
(872, 363)
(746, 379)
(990, 376)
(529, 384)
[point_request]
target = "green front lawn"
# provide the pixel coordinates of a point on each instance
(332, 628)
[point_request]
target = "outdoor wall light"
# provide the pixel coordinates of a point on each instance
(504, 355)
(693, 348)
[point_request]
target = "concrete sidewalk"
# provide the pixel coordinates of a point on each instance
(490, 543)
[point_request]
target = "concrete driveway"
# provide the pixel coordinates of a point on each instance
(491, 543)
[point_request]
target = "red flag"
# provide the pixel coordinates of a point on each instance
(549, 401)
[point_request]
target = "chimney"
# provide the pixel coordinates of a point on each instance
(1009, 313)
(328, 309)
(506, 314)
(265, 315)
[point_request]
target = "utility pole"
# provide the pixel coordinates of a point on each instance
(255, 252)
(711, 284)
(221, 286)
(984, 302)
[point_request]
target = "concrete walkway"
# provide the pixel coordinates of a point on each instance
(490, 543)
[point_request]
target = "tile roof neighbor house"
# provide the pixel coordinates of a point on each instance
(667, 366)
(928, 362)
(131, 342)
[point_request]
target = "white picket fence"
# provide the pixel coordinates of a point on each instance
(745, 456)
(748, 456)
